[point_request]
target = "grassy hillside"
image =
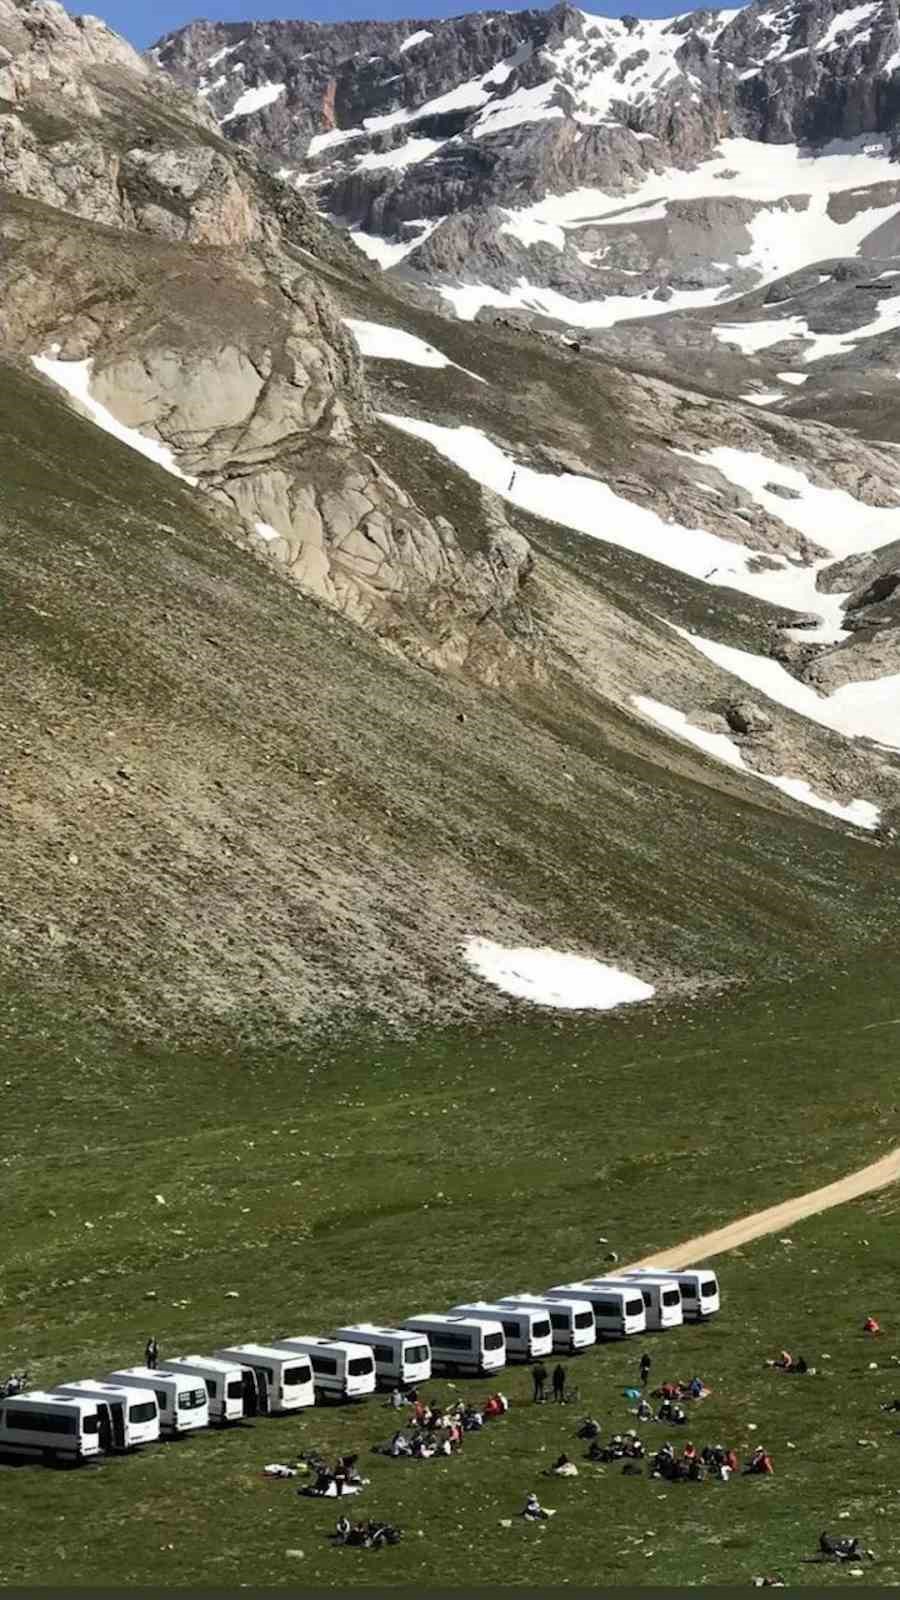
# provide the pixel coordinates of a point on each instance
(227, 810)
(375, 1181)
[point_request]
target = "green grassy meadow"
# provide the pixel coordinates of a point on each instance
(378, 1180)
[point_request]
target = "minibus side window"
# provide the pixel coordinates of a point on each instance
(161, 1399)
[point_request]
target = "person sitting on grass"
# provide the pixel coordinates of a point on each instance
(760, 1463)
(533, 1511)
(835, 1547)
(342, 1529)
(562, 1468)
(400, 1445)
(871, 1325)
(588, 1429)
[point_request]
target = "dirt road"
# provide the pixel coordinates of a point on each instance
(777, 1218)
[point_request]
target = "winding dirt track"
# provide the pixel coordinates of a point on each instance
(775, 1218)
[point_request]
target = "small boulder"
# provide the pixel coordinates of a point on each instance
(743, 716)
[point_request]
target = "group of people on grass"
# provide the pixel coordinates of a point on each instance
(342, 1478)
(369, 1535)
(438, 1430)
(713, 1461)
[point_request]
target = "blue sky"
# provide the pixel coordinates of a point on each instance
(144, 21)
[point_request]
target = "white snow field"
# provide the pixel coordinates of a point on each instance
(75, 378)
(554, 977)
(754, 336)
(467, 300)
(783, 240)
(860, 812)
(831, 516)
(379, 341)
(589, 506)
(254, 100)
(751, 337)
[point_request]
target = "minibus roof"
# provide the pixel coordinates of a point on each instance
(268, 1352)
(446, 1316)
(374, 1327)
(100, 1390)
(210, 1363)
(318, 1343)
(42, 1396)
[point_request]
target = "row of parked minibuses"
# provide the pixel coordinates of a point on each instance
(133, 1406)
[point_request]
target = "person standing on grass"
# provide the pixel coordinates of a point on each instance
(646, 1364)
(539, 1379)
(151, 1353)
(559, 1383)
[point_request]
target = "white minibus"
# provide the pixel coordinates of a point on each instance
(661, 1296)
(571, 1321)
(341, 1370)
(224, 1384)
(56, 1427)
(128, 1417)
(182, 1401)
(699, 1289)
(400, 1357)
(528, 1334)
(286, 1380)
(462, 1344)
(618, 1312)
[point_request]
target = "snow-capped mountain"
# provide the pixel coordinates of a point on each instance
(625, 166)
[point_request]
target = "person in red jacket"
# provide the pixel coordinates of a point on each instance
(871, 1325)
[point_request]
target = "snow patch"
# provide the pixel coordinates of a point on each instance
(405, 155)
(254, 100)
(468, 299)
(414, 39)
(390, 252)
(763, 397)
(330, 140)
(75, 378)
(849, 21)
(381, 342)
(554, 977)
(753, 336)
(525, 105)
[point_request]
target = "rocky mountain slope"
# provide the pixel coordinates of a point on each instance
(340, 634)
(557, 165)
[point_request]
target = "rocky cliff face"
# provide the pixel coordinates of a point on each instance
(398, 125)
(235, 359)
